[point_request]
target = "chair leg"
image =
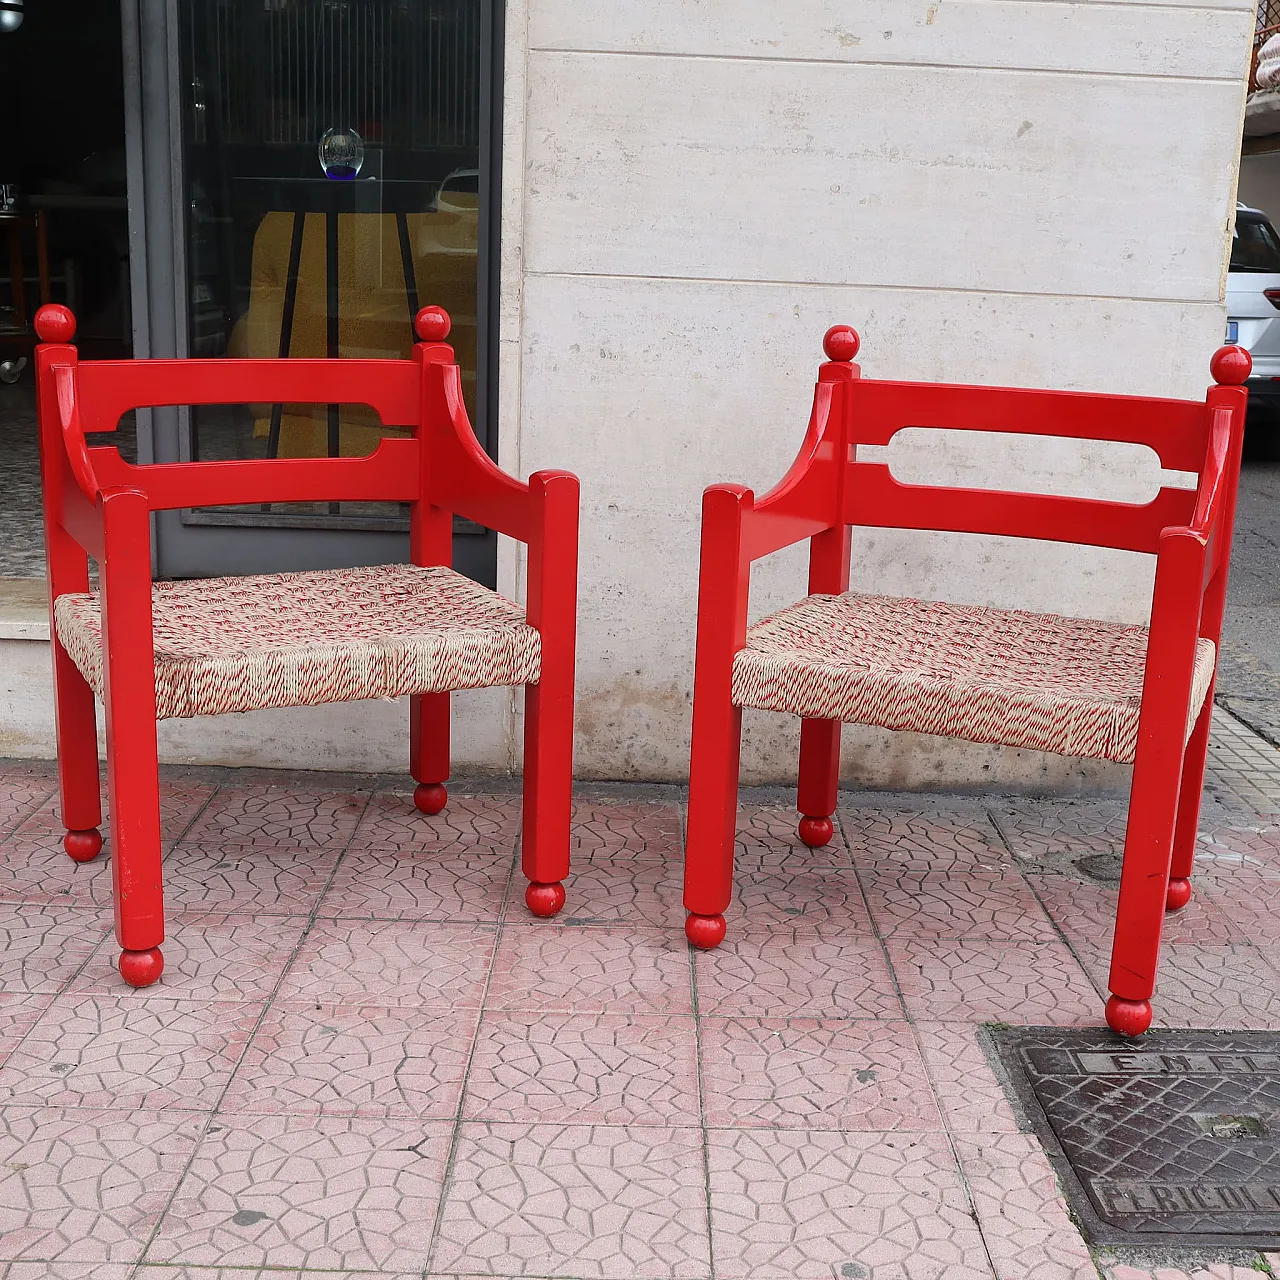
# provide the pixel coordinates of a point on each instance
(548, 793)
(429, 750)
(713, 814)
(819, 780)
(1144, 881)
(75, 720)
(1188, 824)
(134, 787)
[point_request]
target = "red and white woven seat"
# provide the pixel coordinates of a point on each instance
(1068, 685)
(303, 639)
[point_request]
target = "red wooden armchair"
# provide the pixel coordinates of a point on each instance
(1079, 688)
(155, 650)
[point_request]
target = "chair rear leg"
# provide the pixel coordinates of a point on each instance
(712, 823)
(819, 780)
(75, 721)
(429, 750)
(1189, 798)
(548, 791)
(1144, 884)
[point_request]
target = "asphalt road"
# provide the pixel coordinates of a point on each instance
(1249, 670)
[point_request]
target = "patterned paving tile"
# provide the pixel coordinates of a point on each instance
(44, 945)
(36, 869)
(469, 824)
(1219, 988)
(66, 1271)
(212, 957)
(1113, 1270)
(1021, 982)
(817, 899)
(221, 879)
(1036, 828)
(559, 1068)
(459, 884)
(796, 972)
(809, 1205)
(22, 792)
(936, 840)
(628, 890)
(566, 968)
(278, 819)
(1248, 898)
(181, 800)
(18, 1014)
(966, 1087)
(1022, 1214)
(111, 1051)
(367, 962)
(353, 1060)
(1088, 911)
(973, 904)
(575, 1201)
(87, 1186)
(308, 1191)
(807, 1074)
(616, 832)
(767, 842)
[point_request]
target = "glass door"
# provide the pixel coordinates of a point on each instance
(312, 172)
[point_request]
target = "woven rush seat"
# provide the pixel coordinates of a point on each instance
(1067, 685)
(302, 639)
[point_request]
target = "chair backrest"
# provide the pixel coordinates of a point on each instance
(1179, 432)
(76, 397)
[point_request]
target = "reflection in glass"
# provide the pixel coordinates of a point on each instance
(284, 261)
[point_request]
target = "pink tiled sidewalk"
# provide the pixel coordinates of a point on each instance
(366, 1058)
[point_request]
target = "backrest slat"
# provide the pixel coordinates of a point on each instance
(876, 499)
(1175, 429)
(110, 388)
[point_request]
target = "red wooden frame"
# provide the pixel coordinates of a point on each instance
(828, 490)
(96, 504)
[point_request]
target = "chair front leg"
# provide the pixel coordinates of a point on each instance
(819, 780)
(132, 758)
(548, 791)
(429, 750)
(1189, 798)
(76, 725)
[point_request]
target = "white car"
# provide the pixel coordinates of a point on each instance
(1253, 302)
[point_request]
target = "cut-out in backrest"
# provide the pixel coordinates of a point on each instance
(1175, 430)
(110, 388)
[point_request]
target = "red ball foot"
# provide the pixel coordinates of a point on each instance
(83, 846)
(141, 968)
(430, 797)
(1128, 1017)
(1178, 896)
(705, 932)
(544, 899)
(816, 832)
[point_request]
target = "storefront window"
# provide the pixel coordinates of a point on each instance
(332, 184)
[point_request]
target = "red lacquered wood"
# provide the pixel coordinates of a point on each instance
(548, 705)
(828, 489)
(141, 968)
(75, 715)
(544, 900)
(430, 798)
(83, 846)
(815, 832)
(130, 699)
(96, 504)
(704, 932)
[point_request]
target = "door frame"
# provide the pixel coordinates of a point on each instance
(159, 298)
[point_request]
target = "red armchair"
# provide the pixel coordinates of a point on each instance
(1076, 687)
(154, 650)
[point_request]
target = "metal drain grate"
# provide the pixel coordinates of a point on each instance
(1174, 1139)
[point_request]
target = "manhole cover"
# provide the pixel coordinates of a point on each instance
(1102, 866)
(1172, 1139)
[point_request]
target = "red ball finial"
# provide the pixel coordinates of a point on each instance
(841, 343)
(1230, 366)
(55, 323)
(432, 324)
